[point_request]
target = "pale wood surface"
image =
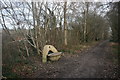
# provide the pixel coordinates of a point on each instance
(55, 54)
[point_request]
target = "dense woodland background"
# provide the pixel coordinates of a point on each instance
(27, 27)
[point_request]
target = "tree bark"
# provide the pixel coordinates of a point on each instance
(65, 24)
(85, 24)
(35, 24)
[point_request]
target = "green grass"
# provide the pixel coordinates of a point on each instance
(73, 49)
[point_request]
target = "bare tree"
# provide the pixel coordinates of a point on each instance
(65, 24)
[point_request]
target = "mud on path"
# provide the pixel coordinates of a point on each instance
(92, 63)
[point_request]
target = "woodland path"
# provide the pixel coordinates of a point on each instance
(92, 63)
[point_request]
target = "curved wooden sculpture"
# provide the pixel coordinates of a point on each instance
(50, 52)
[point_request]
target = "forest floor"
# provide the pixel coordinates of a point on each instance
(96, 62)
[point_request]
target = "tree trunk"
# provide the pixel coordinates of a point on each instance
(84, 32)
(65, 25)
(35, 24)
(85, 23)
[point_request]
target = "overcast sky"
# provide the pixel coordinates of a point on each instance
(64, 0)
(8, 24)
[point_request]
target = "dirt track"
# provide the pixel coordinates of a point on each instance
(92, 63)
